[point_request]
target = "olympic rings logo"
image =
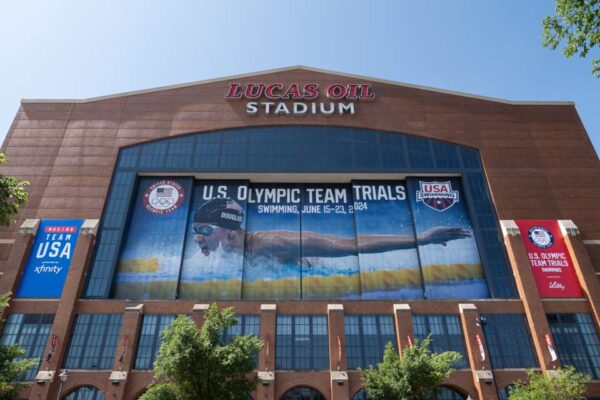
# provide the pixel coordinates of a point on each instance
(163, 197)
(162, 201)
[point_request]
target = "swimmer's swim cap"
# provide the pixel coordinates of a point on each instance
(225, 213)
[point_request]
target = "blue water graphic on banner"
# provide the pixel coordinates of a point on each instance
(151, 258)
(447, 248)
(328, 243)
(389, 266)
(49, 259)
(272, 252)
(213, 259)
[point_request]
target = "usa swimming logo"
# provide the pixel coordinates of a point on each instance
(437, 195)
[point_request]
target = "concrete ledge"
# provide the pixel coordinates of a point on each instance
(44, 376)
(136, 307)
(339, 377)
(266, 377)
(509, 228)
(117, 377)
(335, 307)
(484, 375)
(401, 307)
(90, 227)
(268, 307)
(466, 307)
(29, 227)
(200, 307)
(568, 227)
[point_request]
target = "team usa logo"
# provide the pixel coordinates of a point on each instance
(437, 195)
(163, 197)
(540, 237)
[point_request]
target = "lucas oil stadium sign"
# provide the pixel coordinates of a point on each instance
(296, 99)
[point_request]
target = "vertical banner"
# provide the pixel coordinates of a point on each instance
(549, 259)
(272, 251)
(328, 243)
(151, 256)
(49, 260)
(389, 266)
(447, 248)
(213, 259)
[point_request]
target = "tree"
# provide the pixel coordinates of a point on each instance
(577, 22)
(567, 384)
(193, 364)
(12, 365)
(410, 377)
(12, 195)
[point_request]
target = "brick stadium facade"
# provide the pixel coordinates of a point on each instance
(537, 162)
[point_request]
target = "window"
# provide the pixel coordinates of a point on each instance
(149, 344)
(360, 395)
(446, 334)
(93, 341)
(508, 341)
(302, 393)
(505, 393)
(85, 393)
(302, 342)
(577, 342)
(248, 325)
(366, 337)
(445, 393)
(30, 331)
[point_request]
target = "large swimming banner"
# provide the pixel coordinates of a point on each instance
(151, 257)
(272, 253)
(233, 239)
(328, 243)
(213, 259)
(447, 249)
(387, 252)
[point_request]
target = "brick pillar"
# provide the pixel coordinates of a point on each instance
(198, 313)
(64, 314)
(404, 326)
(266, 358)
(17, 258)
(337, 352)
(583, 265)
(482, 371)
(124, 356)
(534, 307)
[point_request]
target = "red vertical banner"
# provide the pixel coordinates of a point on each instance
(549, 259)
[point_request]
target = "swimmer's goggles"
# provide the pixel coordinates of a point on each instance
(204, 230)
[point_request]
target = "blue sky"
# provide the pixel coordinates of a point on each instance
(80, 49)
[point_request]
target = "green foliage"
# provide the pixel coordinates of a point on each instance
(577, 23)
(410, 377)
(194, 364)
(12, 365)
(12, 195)
(568, 384)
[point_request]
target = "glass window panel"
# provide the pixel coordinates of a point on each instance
(150, 339)
(302, 342)
(30, 331)
(446, 334)
(366, 338)
(85, 393)
(577, 341)
(93, 342)
(508, 341)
